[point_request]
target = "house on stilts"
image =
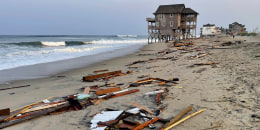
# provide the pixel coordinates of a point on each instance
(172, 22)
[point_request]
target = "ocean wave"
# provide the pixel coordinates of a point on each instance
(126, 35)
(70, 49)
(49, 43)
(116, 41)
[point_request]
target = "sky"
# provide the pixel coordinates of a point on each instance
(112, 17)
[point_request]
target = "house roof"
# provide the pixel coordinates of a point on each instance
(166, 9)
(208, 25)
(188, 11)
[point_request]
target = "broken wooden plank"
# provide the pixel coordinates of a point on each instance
(121, 94)
(139, 106)
(40, 113)
(15, 87)
(32, 104)
(109, 90)
(180, 121)
(5, 111)
(178, 116)
(98, 71)
(93, 77)
(140, 127)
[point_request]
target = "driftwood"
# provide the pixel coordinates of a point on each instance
(109, 90)
(97, 71)
(178, 117)
(40, 113)
(139, 106)
(180, 121)
(93, 77)
(140, 127)
(16, 87)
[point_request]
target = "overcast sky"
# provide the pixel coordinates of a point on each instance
(104, 17)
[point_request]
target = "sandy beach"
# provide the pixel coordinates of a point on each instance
(228, 88)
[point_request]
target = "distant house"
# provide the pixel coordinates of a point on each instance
(236, 28)
(172, 22)
(210, 30)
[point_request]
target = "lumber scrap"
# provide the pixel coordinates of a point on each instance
(177, 117)
(15, 87)
(32, 104)
(140, 127)
(180, 121)
(97, 76)
(139, 106)
(45, 107)
(40, 113)
(121, 94)
(109, 90)
(97, 71)
(5, 111)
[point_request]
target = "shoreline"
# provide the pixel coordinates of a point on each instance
(54, 68)
(229, 89)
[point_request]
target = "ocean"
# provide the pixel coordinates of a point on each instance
(18, 52)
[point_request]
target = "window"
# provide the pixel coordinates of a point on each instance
(171, 23)
(171, 15)
(157, 24)
(163, 23)
(190, 15)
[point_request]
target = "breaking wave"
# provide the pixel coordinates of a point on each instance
(116, 41)
(126, 35)
(51, 44)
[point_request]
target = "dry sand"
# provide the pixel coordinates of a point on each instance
(229, 90)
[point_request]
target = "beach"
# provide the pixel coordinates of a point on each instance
(228, 86)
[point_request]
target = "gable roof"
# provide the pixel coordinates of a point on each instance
(167, 9)
(188, 11)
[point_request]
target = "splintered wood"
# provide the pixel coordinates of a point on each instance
(92, 77)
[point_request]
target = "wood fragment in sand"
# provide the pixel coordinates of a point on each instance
(140, 127)
(180, 121)
(109, 90)
(178, 116)
(139, 106)
(5, 111)
(15, 87)
(97, 76)
(97, 71)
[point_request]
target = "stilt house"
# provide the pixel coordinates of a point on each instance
(172, 22)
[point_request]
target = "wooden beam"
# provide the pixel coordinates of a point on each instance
(5, 111)
(109, 90)
(140, 127)
(178, 116)
(180, 121)
(139, 106)
(92, 77)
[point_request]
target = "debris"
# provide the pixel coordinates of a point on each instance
(97, 71)
(82, 96)
(103, 117)
(30, 116)
(139, 106)
(140, 127)
(109, 90)
(178, 117)
(86, 90)
(5, 111)
(154, 92)
(15, 87)
(180, 121)
(93, 77)
(121, 94)
(200, 64)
